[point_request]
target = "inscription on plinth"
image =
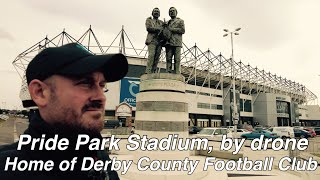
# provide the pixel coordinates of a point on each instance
(162, 106)
(166, 76)
(163, 84)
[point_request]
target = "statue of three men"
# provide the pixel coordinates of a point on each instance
(168, 35)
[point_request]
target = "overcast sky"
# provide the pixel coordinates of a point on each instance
(280, 36)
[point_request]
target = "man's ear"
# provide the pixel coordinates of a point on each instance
(39, 92)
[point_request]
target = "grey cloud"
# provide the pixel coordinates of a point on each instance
(8, 71)
(5, 35)
(108, 15)
(262, 22)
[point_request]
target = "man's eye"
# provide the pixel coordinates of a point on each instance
(104, 87)
(85, 83)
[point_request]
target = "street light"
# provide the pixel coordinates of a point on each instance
(4, 103)
(235, 115)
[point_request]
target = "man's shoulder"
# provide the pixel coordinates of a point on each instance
(8, 150)
(179, 19)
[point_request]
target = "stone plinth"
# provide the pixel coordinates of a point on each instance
(162, 109)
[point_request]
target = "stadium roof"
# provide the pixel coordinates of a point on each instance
(202, 68)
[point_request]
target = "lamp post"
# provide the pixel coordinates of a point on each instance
(235, 115)
(4, 104)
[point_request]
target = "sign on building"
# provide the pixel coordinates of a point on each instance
(129, 88)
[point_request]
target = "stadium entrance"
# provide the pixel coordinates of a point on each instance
(283, 121)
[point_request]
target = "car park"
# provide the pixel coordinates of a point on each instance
(257, 133)
(283, 131)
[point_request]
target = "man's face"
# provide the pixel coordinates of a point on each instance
(172, 12)
(77, 102)
(156, 13)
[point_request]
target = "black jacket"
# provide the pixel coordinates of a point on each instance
(36, 128)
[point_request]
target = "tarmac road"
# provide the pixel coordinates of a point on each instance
(6, 131)
(11, 129)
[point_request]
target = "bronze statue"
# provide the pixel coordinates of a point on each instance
(173, 33)
(154, 27)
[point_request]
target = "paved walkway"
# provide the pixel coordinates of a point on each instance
(274, 174)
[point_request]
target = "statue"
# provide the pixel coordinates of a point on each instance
(154, 27)
(173, 31)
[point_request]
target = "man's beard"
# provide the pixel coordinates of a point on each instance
(75, 128)
(66, 118)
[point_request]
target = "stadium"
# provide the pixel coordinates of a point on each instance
(263, 98)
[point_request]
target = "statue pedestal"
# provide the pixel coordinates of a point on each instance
(162, 109)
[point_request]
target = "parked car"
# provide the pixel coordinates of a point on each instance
(299, 133)
(4, 117)
(247, 127)
(214, 133)
(311, 131)
(259, 127)
(194, 129)
(317, 130)
(283, 131)
(257, 133)
(230, 128)
(240, 132)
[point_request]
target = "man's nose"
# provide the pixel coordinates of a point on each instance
(98, 94)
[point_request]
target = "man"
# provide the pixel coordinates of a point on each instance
(67, 83)
(174, 44)
(154, 27)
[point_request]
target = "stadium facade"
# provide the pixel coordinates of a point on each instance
(262, 97)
